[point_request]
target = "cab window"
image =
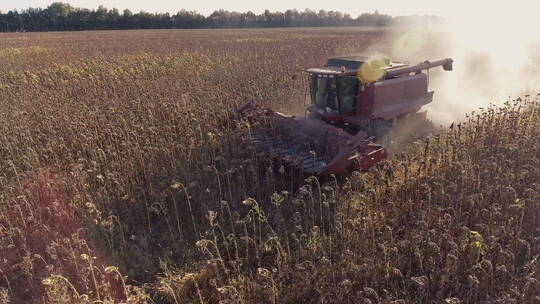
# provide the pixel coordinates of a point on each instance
(347, 93)
(323, 93)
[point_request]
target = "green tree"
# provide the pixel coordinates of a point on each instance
(59, 9)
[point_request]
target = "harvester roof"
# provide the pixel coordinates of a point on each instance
(351, 64)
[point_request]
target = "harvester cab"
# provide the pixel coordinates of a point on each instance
(335, 87)
(353, 100)
(360, 91)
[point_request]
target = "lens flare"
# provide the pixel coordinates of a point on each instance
(372, 70)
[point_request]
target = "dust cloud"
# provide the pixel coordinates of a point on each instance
(496, 52)
(495, 46)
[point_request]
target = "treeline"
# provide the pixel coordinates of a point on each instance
(63, 17)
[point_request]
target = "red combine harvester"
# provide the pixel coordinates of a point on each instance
(354, 100)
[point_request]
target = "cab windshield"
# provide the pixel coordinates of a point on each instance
(334, 95)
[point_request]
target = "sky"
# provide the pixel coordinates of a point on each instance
(356, 7)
